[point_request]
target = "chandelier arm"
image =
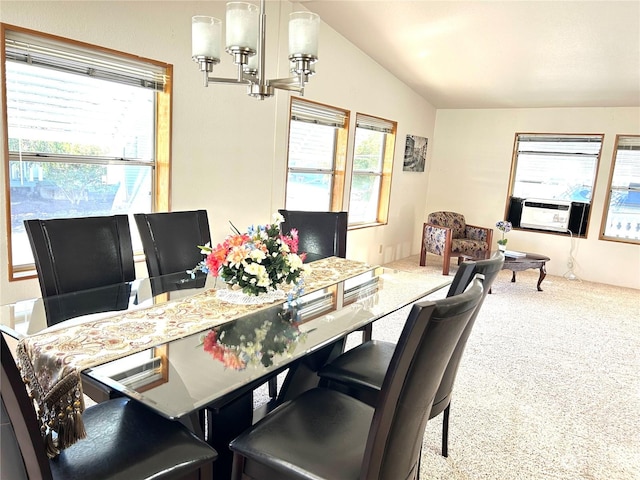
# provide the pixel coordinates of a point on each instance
(290, 83)
(230, 81)
(289, 87)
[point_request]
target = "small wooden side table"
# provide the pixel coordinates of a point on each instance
(530, 260)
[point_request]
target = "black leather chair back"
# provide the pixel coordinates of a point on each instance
(73, 254)
(422, 353)
(104, 299)
(489, 269)
(462, 278)
(323, 234)
(170, 240)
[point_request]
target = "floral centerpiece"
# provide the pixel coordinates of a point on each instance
(504, 227)
(256, 261)
(254, 341)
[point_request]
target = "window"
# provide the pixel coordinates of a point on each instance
(371, 174)
(317, 156)
(87, 132)
(552, 179)
(622, 214)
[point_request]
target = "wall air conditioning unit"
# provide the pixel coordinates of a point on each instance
(541, 214)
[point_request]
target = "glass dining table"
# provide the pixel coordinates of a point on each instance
(206, 377)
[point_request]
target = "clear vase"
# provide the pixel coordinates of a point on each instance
(502, 248)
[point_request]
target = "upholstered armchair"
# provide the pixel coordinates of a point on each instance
(447, 234)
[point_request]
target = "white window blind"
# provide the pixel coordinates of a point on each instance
(317, 114)
(373, 123)
(71, 58)
(552, 166)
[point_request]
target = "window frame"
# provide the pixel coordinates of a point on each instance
(610, 189)
(160, 166)
(514, 217)
(390, 129)
(338, 169)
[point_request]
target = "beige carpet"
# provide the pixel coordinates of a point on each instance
(549, 387)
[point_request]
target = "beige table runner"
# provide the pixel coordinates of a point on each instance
(51, 361)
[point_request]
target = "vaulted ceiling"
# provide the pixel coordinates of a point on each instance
(502, 53)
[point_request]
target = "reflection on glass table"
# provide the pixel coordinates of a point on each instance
(256, 341)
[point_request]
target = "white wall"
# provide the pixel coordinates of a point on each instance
(229, 150)
(473, 149)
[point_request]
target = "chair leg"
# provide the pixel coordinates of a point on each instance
(446, 260)
(237, 466)
(367, 333)
(423, 250)
(445, 431)
(273, 387)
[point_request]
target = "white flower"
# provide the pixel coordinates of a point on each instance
(294, 261)
(257, 255)
(206, 248)
(278, 218)
(260, 274)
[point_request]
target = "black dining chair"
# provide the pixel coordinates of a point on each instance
(320, 234)
(125, 440)
(74, 254)
(80, 254)
(360, 372)
(326, 434)
(170, 240)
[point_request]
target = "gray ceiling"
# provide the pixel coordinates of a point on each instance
(499, 54)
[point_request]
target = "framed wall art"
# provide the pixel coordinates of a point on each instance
(415, 153)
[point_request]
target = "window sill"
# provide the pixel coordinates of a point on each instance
(358, 226)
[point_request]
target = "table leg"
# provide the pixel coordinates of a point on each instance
(513, 277)
(223, 424)
(543, 273)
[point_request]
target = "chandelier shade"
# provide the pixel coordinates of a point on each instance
(303, 34)
(245, 39)
(242, 27)
(205, 38)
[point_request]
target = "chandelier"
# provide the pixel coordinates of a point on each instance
(245, 42)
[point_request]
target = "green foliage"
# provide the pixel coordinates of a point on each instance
(75, 179)
(368, 152)
(53, 148)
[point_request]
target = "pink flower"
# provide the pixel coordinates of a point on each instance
(291, 240)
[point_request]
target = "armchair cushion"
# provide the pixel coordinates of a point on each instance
(447, 234)
(452, 220)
